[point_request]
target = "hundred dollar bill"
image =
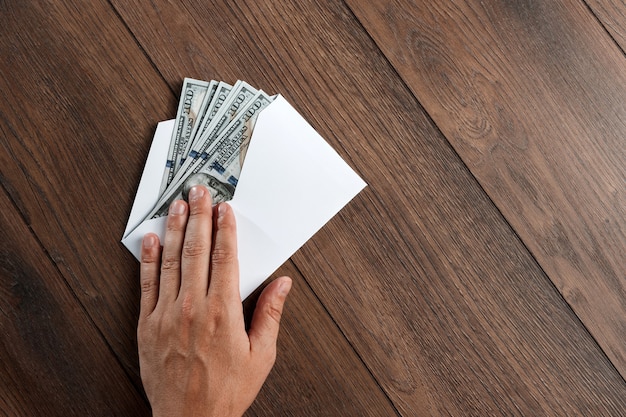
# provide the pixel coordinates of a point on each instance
(219, 170)
(237, 99)
(201, 115)
(232, 142)
(213, 106)
(192, 95)
(226, 156)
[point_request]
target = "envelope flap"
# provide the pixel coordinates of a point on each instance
(292, 181)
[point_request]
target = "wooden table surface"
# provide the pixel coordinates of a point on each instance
(482, 272)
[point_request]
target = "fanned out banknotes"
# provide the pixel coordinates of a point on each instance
(213, 126)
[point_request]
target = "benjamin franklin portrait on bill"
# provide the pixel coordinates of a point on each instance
(219, 190)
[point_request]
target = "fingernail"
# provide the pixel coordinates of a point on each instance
(284, 287)
(149, 241)
(221, 209)
(177, 207)
(196, 192)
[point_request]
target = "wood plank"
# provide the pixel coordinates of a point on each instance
(612, 14)
(77, 206)
(437, 294)
(53, 360)
(317, 372)
(531, 95)
(79, 102)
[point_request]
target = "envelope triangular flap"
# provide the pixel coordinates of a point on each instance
(292, 182)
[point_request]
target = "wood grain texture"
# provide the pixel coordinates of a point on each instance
(53, 361)
(317, 372)
(531, 96)
(612, 14)
(72, 157)
(418, 298)
(79, 102)
(437, 294)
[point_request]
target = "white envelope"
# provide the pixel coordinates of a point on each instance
(291, 184)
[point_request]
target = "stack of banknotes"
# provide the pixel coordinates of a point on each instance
(213, 127)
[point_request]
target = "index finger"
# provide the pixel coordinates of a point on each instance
(224, 274)
(149, 273)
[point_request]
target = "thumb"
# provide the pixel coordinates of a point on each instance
(266, 318)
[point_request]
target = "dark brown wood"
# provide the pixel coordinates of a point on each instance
(79, 106)
(419, 298)
(531, 96)
(71, 161)
(317, 372)
(440, 298)
(53, 361)
(612, 14)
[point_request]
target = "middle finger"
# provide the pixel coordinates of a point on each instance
(197, 245)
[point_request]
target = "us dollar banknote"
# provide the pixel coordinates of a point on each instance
(192, 97)
(185, 146)
(226, 154)
(236, 102)
(219, 97)
(217, 156)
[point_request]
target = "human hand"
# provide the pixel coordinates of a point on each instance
(195, 356)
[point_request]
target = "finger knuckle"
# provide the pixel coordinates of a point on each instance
(170, 263)
(188, 309)
(274, 312)
(217, 311)
(146, 329)
(195, 249)
(148, 286)
(175, 224)
(226, 224)
(222, 256)
(219, 316)
(148, 257)
(200, 208)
